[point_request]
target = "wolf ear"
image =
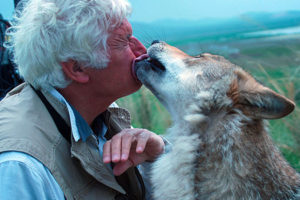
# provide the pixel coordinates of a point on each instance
(258, 101)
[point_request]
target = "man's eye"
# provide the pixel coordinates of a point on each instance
(129, 37)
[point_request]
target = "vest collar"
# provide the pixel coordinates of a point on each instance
(115, 118)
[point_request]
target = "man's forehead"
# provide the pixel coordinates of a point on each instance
(124, 28)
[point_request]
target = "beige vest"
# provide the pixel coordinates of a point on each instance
(26, 126)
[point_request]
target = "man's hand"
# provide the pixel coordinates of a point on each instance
(131, 147)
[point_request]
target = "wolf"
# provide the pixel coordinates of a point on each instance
(221, 149)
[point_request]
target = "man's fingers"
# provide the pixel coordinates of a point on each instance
(106, 152)
(116, 148)
(142, 139)
(127, 140)
(121, 167)
(132, 144)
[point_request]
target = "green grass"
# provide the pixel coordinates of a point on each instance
(276, 65)
(146, 111)
(268, 52)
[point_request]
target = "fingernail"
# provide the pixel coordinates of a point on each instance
(106, 159)
(124, 156)
(139, 149)
(115, 158)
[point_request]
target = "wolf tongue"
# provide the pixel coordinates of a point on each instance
(140, 58)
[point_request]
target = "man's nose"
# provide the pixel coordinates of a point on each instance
(137, 47)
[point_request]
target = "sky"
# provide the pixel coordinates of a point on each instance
(6, 8)
(152, 10)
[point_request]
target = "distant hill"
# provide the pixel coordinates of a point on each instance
(176, 31)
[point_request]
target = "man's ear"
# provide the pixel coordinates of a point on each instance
(258, 101)
(75, 72)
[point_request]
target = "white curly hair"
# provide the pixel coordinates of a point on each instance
(48, 32)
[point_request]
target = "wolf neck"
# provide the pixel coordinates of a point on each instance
(238, 157)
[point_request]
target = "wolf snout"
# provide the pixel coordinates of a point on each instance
(155, 41)
(151, 63)
(134, 65)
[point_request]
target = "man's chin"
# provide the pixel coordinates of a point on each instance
(138, 86)
(134, 88)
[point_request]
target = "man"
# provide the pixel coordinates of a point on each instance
(61, 135)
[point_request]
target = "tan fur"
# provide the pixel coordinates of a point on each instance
(221, 147)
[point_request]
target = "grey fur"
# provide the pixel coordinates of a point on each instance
(221, 146)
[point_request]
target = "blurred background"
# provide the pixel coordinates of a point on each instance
(261, 36)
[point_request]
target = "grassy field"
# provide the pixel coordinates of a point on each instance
(273, 61)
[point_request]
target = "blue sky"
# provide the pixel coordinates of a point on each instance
(151, 10)
(6, 8)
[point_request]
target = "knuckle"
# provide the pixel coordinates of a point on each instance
(116, 137)
(126, 134)
(145, 134)
(125, 138)
(127, 129)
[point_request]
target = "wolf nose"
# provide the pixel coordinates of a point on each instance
(155, 41)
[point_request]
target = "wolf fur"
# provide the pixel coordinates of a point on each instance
(221, 148)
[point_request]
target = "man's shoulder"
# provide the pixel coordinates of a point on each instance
(33, 178)
(16, 91)
(25, 124)
(22, 111)
(25, 159)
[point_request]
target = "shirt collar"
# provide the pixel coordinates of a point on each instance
(80, 128)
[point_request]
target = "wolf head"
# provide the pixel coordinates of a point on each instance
(178, 80)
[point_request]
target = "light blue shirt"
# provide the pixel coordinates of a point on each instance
(24, 177)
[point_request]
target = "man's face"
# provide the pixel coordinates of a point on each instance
(116, 80)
